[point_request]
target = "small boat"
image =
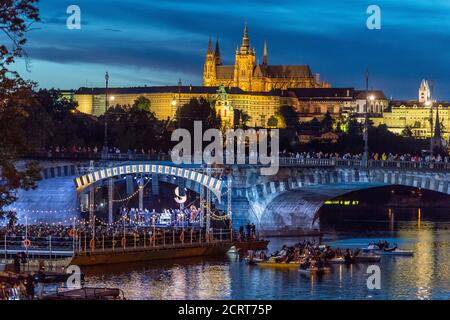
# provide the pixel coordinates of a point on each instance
(398, 252)
(336, 260)
(253, 261)
(390, 252)
(233, 250)
(87, 294)
(366, 258)
(314, 270)
(274, 264)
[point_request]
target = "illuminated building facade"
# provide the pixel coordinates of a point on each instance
(165, 100)
(418, 115)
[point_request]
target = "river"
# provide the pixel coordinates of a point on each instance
(426, 275)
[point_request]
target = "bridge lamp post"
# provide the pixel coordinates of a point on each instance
(105, 143)
(365, 159)
(366, 133)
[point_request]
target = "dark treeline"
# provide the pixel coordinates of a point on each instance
(52, 121)
(349, 136)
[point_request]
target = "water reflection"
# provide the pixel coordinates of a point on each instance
(424, 276)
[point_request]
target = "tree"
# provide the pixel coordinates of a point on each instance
(241, 118)
(273, 121)
(54, 121)
(16, 16)
(327, 123)
(289, 115)
(407, 132)
(143, 103)
(197, 110)
(131, 128)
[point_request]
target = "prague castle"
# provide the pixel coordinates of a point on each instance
(248, 75)
(261, 89)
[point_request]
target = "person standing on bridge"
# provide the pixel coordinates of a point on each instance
(17, 263)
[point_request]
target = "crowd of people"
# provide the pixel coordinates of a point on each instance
(250, 233)
(93, 150)
(22, 286)
(374, 156)
(188, 216)
(36, 231)
(307, 251)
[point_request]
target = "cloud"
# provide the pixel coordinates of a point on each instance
(169, 38)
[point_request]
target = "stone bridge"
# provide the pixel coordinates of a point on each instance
(280, 204)
(287, 203)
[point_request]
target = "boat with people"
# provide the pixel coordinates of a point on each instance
(313, 266)
(366, 258)
(257, 244)
(384, 248)
(311, 254)
(314, 270)
(283, 265)
(87, 294)
(336, 260)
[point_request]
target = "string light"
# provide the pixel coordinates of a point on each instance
(127, 198)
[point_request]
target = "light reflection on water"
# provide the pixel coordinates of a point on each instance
(424, 276)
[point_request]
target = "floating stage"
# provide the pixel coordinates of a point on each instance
(140, 254)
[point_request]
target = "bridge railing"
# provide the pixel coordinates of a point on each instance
(97, 156)
(283, 161)
(409, 165)
(82, 242)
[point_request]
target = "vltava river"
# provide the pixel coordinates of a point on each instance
(424, 276)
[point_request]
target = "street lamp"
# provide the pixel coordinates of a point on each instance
(365, 159)
(105, 143)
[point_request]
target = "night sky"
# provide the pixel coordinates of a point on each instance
(146, 42)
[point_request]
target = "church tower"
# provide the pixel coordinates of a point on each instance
(209, 70)
(224, 109)
(245, 64)
(424, 92)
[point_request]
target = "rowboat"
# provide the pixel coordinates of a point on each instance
(285, 265)
(392, 252)
(336, 260)
(367, 258)
(87, 294)
(233, 250)
(314, 270)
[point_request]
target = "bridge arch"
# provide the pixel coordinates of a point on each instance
(215, 185)
(274, 204)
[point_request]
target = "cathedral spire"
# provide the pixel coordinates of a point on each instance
(245, 42)
(265, 56)
(217, 54)
(210, 51)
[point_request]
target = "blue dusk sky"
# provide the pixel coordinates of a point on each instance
(146, 42)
